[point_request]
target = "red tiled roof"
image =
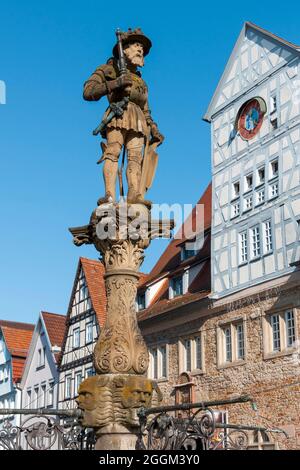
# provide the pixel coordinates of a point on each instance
(17, 339)
(143, 278)
(171, 256)
(170, 304)
(55, 326)
(170, 264)
(94, 271)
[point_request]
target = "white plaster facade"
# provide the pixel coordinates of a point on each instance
(261, 65)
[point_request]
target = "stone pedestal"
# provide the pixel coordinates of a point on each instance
(116, 437)
(110, 400)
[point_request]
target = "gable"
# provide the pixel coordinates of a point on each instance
(81, 297)
(256, 55)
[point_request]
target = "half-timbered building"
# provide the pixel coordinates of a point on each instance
(85, 317)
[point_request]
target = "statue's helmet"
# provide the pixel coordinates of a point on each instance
(133, 35)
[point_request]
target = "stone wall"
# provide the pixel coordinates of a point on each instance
(274, 383)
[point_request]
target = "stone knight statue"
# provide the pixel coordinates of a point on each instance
(127, 122)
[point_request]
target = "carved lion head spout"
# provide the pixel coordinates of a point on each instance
(108, 399)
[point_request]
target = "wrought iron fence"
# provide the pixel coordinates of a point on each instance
(160, 429)
(201, 430)
(44, 430)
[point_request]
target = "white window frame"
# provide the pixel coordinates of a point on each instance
(68, 387)
(89, 332)
(284, 347)
(77, 381)
(255, 242)
(50, 398)
(182, 352)
(247, 186)
(230, 357)
(235, 209)
(243, 247)
(75, 336)
(43, 395)
(260, 181)
(157, 366)
(28, 398)
(272, 192)
(248, 203)
(236, 192)
(268, 239)
(260, 196)
(273, 175)
(87, 372)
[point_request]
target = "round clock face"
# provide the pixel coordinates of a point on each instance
(250, 118)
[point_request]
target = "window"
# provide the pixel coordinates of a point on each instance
(177, 286)
(28, 401)
(89, 372)
(255, 242)
(190, 354)
(68, 386)
(248, 182)
(186, 254)
(5, 373)
(76, 338)
(50, 394)
(36, 397)
(141, 301)
(231, 343)
(240, 341)
(82, 302)
(280, 332)
(261, 441)
(43, 396)
(273, 190)
(273, 103)
(274, 169)
(163, 353)
(267, 233)
(1, 375)
(198, 352)
(290, 328)
(236, 189)
(158, 363)
(235, 209)
(78, 380)
(260, 196)
(41, 357)
(228, 344)
(248, 203)
(243, 247)
(274, 123)
(260, 176)
(89, 333)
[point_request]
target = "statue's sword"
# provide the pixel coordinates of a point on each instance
(117, 109)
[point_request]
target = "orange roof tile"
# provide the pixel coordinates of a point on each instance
(171, 264)
(55, 325)
(17, 339)
(171, 256)
(94, 271)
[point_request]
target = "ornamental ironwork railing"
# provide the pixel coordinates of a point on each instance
(161, 428)
(201, 430)
(45, 429)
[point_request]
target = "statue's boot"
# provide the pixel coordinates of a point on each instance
(110, 172)
(133, 175)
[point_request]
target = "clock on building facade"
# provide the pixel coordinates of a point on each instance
(250, 118)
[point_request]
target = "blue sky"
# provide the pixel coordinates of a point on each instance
(49, 179)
